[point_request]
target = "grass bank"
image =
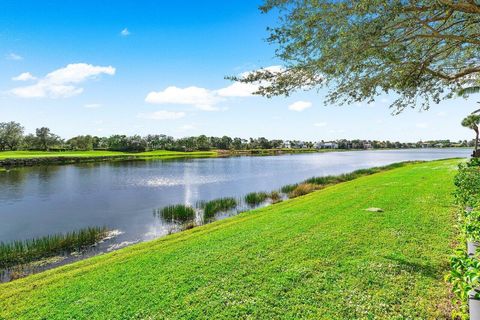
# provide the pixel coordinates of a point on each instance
(29, 158)
(317, 256)
(96, 153)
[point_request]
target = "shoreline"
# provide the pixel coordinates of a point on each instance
(16, 159)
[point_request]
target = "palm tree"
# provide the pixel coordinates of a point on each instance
(472, 121)
(469, 90)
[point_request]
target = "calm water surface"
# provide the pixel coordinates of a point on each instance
(38, 201)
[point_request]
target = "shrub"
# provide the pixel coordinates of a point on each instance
(255, 198)
(464, 276)
(471, 225)
(177, 213)
(467, 182)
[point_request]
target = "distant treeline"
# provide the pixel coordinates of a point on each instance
(12, 137)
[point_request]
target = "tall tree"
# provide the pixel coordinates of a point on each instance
(473, 121)
(11, 135)
(45, 138)
(424, 51)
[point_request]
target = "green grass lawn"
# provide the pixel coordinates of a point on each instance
(96, 153)
(317, 256)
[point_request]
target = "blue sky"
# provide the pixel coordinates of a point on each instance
(88, 67)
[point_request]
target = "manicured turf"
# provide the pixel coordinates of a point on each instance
(84, 154)
(316, 256)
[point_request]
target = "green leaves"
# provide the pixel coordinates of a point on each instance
(464, 273)
(423, 52)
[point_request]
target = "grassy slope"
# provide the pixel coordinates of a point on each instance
(317, 256)
(82, 154)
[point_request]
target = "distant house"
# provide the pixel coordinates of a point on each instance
(426, 145)
(287, 145)
(439, 145)
(330, 145)
(367, 145)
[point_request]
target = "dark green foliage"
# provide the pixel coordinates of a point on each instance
(212, 207)
(467, 182)
(465, 269)
(424, 51)
(255, 198)
(177, 213)
(20, 252)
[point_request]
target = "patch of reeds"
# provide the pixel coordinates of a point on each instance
(255, 198)
(21, 252)
(212, 207)
(178, 213)
(288, 188)
(275, 196)
(303, 189)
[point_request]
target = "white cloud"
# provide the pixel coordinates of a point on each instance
(61, 83)
(320, 124)
(238, 89)
(125, 32)
(203, 98)
(92, 105)
(24, 77)
(200, 98)
(422, 125)
(13, 56)
(300, 106)
(162, 115)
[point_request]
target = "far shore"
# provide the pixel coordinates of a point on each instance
(31, 158)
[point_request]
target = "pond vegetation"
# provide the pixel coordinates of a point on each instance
(20, 252)
(255, 198)
(213, 207)
(303, 189)
(178, 213)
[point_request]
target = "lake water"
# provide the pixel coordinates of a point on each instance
(38, 201)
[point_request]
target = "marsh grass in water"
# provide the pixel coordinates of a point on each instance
(275, 196)
(288, 188)
(210, 208)
(255, 198)
(177, 213)
(21, 252)
(303, 189)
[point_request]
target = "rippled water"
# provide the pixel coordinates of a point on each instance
(38, 201)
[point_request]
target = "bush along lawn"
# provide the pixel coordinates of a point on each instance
(465, 264)
(317, 256)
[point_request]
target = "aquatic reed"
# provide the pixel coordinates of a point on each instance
(212, 207)
(255, 198)
(21, 252)
(177, 213)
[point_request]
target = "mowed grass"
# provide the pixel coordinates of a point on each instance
(98, 153)
(319, 256)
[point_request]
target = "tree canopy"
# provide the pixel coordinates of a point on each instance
(424, 51)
